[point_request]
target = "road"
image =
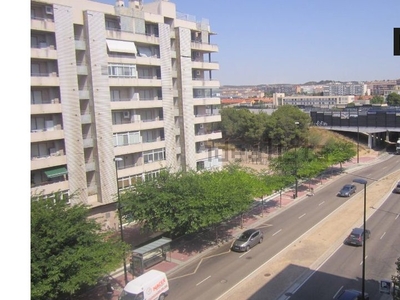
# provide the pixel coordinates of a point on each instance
(344, 269)
(216, 275)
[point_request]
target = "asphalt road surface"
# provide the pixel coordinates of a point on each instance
(228, 275)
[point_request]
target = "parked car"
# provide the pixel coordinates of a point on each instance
(347, 190)
(397, 188)
(247, 240)
(356, 237)
(352, 295)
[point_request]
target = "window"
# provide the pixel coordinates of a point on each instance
(114, 94)
(154, 155)
(36, 97)
(122, 70)
(126, 138)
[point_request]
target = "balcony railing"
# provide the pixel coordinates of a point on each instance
(159, 139)
(208, 132)
(207, 114)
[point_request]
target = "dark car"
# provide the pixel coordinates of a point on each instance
(347, 190)
(352, 295)
(247, 240)
(397, 188)
(356, 237)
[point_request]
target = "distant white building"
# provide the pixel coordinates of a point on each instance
(316, 101)
(343, 89)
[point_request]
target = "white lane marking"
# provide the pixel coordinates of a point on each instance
(244, 254)
(383, 235)
(397, 216)
(321, 203)
(365, 258)
(203, 280)
(337, 293)
(277, 232)
(302, 216)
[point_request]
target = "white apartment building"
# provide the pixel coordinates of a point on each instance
(343, 89)
(117, 94)
(316, 101)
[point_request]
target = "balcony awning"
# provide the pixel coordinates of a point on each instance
(121, 46)
(56, 172)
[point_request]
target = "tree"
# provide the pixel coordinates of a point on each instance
(68, 252)
(377, 100)
(282, 129)
(393, 99)
(396, 281)
(187, 202)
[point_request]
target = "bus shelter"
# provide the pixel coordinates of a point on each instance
(149, 255)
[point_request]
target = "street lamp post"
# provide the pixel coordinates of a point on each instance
(358, 136)
(295, 167)
(116, 160)
(364, 182)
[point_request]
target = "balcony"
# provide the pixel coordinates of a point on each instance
(82, 70)
(207, 118)
(90, 166)
(45, 79)
(37, 109)
(117, 34)
(133, 81)
(42, 24)
(139, 125)
(205, 154)
(205, 65)
(46, 135)
(146, 39)
(214, 135)
(84, 94)
(86, 119)
(50, 187)
(80, 45)
(139, 147)
(201, 83)
(88, 142)
(207, 101)
(204, 47)
(148, 61)
(57, 159)
(135, 104)
(47, 52)
(142, 168)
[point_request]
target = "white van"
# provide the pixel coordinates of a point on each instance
(152, 285)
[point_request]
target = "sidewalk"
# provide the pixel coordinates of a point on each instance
(193, 247)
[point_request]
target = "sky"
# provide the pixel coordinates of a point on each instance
(296, 41)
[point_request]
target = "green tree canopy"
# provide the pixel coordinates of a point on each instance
(377, 100)
(182, 203)
(288, 126)
(68, 254)
(393, 99)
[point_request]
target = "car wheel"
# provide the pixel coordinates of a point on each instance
(260, 241)
(162, 297)
(247, 248)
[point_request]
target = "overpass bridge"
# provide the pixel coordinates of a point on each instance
(380, 125)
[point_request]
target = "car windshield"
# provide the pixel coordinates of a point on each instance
(346, 188)
(244, 237)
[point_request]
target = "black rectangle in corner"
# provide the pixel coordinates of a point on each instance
(396, 41)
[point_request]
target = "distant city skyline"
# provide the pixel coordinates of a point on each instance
(293, 42)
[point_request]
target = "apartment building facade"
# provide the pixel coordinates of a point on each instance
(117, 94)
(343, 89)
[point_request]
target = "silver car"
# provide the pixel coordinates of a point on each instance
(247, 240)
